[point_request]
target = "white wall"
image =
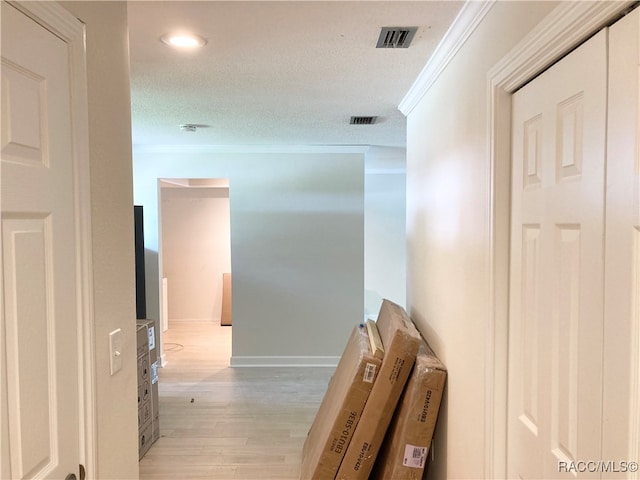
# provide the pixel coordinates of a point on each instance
(448, 230)
(112, 232)
(384, 228)
(297, 226)
(196, 250)
(196, 240)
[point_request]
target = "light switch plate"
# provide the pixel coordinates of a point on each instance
(115, 350)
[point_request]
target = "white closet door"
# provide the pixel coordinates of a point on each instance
(557, 276)
(621, 427)
(39, 343)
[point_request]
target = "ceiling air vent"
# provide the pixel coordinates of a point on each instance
(362, 120)
(396, 37)
(192, 127)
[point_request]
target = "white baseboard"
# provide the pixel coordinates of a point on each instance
(194, 320)
(289, 361)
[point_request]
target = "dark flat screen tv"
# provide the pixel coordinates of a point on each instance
(141, 294)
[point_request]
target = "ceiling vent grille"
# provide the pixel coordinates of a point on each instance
(396, 37)
(362, 120)
(192, 127)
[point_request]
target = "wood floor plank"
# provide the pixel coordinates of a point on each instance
(224, 423)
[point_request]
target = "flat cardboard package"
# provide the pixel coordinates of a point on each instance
(226, 316)
(148, 398)
(145, 414)
(342, 404)
(401, 340)
(404, 451)
(144, 441)
(152, 333)
(144, 385)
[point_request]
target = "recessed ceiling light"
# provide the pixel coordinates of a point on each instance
(183, 40)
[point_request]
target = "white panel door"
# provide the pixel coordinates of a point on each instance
(556, 299)
(39, 331)
(621, 428)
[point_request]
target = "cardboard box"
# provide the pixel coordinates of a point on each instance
(401, 340)
(148, 398)
(144, 441)
(404, 451)
(145, 416)
(149, 326)
(226, 316)
(152, 335)
(342, 405)
(144, 400)
(155, 401)
(142, 340)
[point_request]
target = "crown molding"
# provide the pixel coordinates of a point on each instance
(460, 30)
(54, 17)
(251, 149)
(563, 29)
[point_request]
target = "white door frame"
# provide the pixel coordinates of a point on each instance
(563, 29)
(59, 21)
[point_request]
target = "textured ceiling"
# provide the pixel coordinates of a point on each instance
(277, 73)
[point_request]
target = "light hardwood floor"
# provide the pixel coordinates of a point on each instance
(218, 422)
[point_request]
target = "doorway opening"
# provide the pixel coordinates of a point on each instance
(195, 263)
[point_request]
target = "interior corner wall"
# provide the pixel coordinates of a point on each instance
(297, 227)
(109, 111)
(385, 257)
(196, 250)
(449, 232)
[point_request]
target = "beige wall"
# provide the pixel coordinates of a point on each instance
(448, 230)
(297, 244)
(196, 250)
(112, 232)
(385, 252)
(384, 240)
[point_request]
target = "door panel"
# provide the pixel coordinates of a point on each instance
(28, 303)
(39, 334)
(556, 300)
(621, 430)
